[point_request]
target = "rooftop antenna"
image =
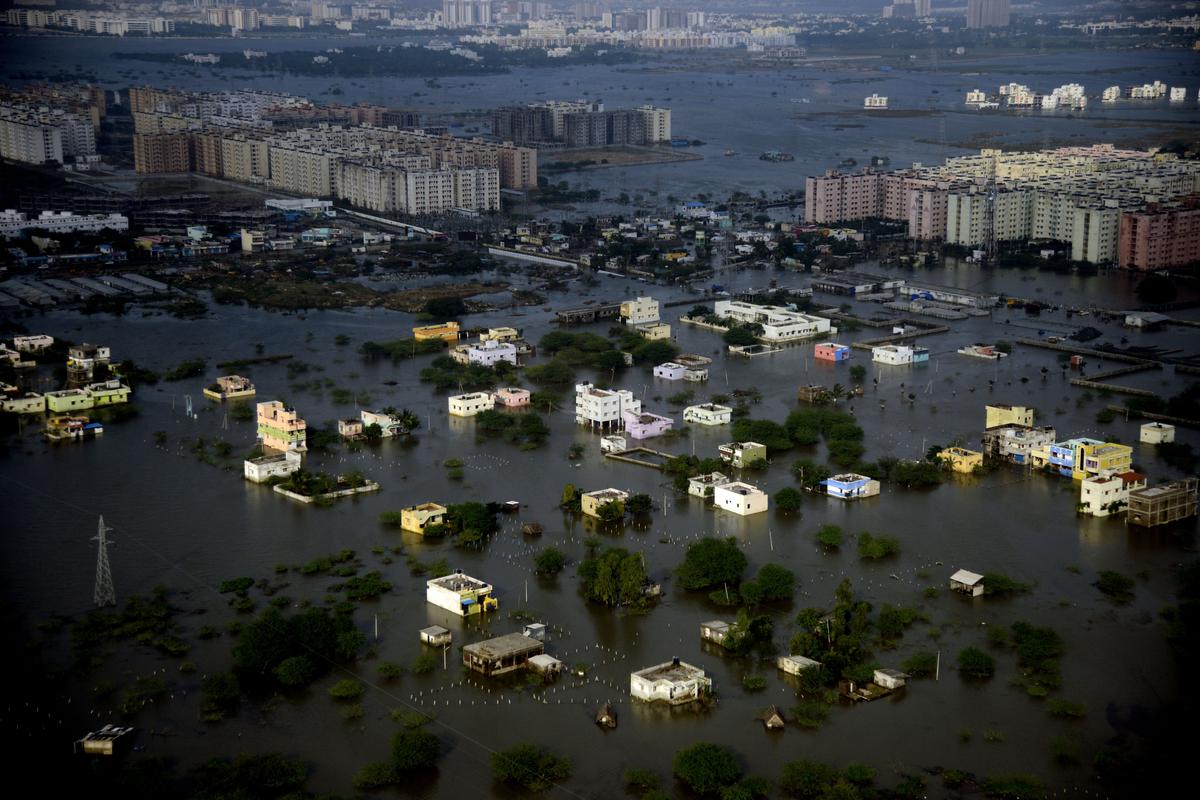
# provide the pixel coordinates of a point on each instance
(105, 594)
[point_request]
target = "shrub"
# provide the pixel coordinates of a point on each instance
(788, 500)
(549, 561)
(347, 689)
(1115, 586)
(706, 768)
(295, 671)
(806, 779)
(530, 766)
(711, 561)
(830, 536)
(976, 663)
(877, 546)
(920, 664)
(424, 664)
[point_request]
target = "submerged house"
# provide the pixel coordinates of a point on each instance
(461, 594)
(851, 486)
(967, 582)
(502, 654)
(436, 636)
(795, 664)
(715, 631)
(674, 682)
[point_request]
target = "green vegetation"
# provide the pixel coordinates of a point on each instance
(549, 561)
(754, 683)
(830, 536)
(1065, 709)
(140, 619)
(1014, 787)
(772, 583)
(315, 484)
(843, 437)
(615, 577)
(446, 374)
(295, 671)
(315, 633)
(710, 562)
(749, 633)
(185, 370)
(975, 663)
(1000, 585)
(706, 768)
(365, 587)
(1116, 587)
(528, 430)
(1038, 654)
(877, 546)
(788, 500)
(920, 664)
(413, 749)
(471, 522)
(763, 431)
(221, 693)
(530, 766)
(400, 349)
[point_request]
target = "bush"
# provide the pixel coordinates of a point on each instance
(1065, 709)
(877, 546)
(829, 536)
(1115, 586)
(295, 671)
(763, 431)
(711, 561)
(1000, 585)
(975, 663)
(549, 561)
(390, 670)
(424, 663)
(788, 500)
(347, 689)
(530, 766)
(412, 749)
(806, 779)
(920, 664)
(706, 768)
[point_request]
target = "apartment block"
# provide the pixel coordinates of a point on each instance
(1160, 236)
(161, 152)
(280, 429)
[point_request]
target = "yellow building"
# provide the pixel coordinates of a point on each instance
(1009, 415)
(108, 393)
(961, 459)
(1105, 458)
(68, 400)
(500, 335)
(446, 331)
(590, 502)
(415, 518)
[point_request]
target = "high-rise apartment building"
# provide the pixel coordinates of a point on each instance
(987, 13)
(161, 152)
(1160, 236)
(465, 13)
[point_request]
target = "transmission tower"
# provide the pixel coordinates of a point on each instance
(105, 594)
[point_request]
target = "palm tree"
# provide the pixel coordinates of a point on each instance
(837, 392)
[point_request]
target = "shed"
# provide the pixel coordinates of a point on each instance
(772, 718)
(967, 582)
(606, 717)
(436, 636)
(795, 664)
(546, 665)
(109, 740)
(714, 630)
(535, 630)
(890, 678)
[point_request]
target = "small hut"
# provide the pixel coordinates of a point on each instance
(772, 718)
(606, 717)
(435, 636)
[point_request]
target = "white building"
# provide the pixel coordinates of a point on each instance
(967, 582)
(640, 311)
(279, 465)
(1101, 495)
(613, 444)
(673, 682)
(779, 324)
(706, 485)
(1178, 94)
(1150, 433)
(740, 498)
(492, 352)
(601, 407)
(899, 354)
(468, 405)
(1111, 95)
(460, 594)
(795, 664)
(875, 101)
(388, 425)
(670, 371)
(14, 223)
(33, 343)
(708, 414)
(658, 123)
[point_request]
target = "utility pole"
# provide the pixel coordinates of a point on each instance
(105, 594)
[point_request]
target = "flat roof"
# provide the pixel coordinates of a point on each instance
(510, 644)
(457, 582)
(669, 671)
(967, 577)
(434, 630)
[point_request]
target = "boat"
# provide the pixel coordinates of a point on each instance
(731, 152)
(849, 162)
(777, 155)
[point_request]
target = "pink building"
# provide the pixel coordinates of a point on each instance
(644, 425)
(1159, 237)
(921, 202)
(828, 351)
(511, 397)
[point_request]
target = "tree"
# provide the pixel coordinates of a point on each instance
(1115, 586)
(858, 373)
(372, 432)
(611, 511)
(472, 521)
(788, 500)
(530, 766)
(806, 780)
(763, 431)
(347, 689)
(830, 536)
(549, 561)
(877, 546)
(639, 504)
(221, 688)
(614, 577)
(413, 749)
(739, 336)
(775, 582)
(571, 497)
(976, 663)
(920, 664)
(446, 307)
(706, 768)
(295, 671)
(710, 562)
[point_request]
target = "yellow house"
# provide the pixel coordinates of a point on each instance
(654, 330)
(108, 393)
(415, 518)
(446, 331)
(675, 255)
(68, 400)
(1009, 415)
(960, 459)
(1105, 458)
(503, 334)
(590, 502)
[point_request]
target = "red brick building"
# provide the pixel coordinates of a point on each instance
(1160, 236)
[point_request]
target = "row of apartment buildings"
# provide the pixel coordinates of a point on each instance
(89, 22)
(1132, 208)
(36, 134)
(581, 124)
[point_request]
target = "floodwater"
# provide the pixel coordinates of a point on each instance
(187, 525)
